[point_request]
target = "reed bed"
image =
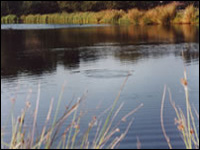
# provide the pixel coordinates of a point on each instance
(107, 135)
(133, 16)
(186, 123)
(167, 14)
(190, 15)
(160, 14)
(9, 19)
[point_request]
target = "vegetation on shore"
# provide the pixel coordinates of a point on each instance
(165, 14)
(49, 7)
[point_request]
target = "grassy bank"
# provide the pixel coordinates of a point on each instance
(168, 14)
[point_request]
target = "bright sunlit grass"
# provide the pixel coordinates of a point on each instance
(167, 14)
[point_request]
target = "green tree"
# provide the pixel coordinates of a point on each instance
(39, 7)
(26, 7)
(70, 6)
(44, 7)
(15, 7)
(93, 5)
(4, 8)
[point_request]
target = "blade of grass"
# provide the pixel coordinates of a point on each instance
(101, 135)
(70, 131)
(46, 122)
(161, 119)
(122, 135)
(35, 115)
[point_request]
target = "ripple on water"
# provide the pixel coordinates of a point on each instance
(105, 73)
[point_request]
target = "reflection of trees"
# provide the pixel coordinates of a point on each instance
(191, 56)
(190, 53)
(39, 51)
(136, 52)
(10, 43)
(89, 54)
(128, 55)
(188, 33)
(20, 54)
(70, 59)
(34, 64)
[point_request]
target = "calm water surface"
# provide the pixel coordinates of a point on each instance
(97, 59)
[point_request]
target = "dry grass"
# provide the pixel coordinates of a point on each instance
(186, 123)
(23, 138)
(112, 16)
(9, 19)
(134, 15)
(161, 14)
(162, 120)
(190, 15)
(166, 14)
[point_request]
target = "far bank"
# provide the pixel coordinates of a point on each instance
(167, 14)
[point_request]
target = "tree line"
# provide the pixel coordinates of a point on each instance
(45, 7)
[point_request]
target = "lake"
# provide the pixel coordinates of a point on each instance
(97, 59)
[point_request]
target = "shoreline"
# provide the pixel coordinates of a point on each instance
(167, 14)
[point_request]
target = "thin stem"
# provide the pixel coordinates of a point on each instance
(161, 118)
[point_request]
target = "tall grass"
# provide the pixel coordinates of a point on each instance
(50, 137)
(133, 16)
(112, 16)
(65, 18)
(160, 14)
(166, 14)
(190, 15)
(9, 19)
(186, 123)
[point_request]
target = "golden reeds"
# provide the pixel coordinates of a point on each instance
(165, 14)
(185, 123)
(23, 138)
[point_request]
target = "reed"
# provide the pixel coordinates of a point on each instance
(112, 16)
(53, 137)
(186, 123)
(161, 14)
(190, 15)
(166, 14)
(9, 19)
(134, 16)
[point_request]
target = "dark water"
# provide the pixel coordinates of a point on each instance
(97, 59)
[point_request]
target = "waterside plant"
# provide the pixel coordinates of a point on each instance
(108, 135)
(166, 14)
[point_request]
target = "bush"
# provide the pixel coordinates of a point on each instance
(190, 15)
(112, 16)
(134, 16)
(161, 14)
(166, 14)
(9, 19)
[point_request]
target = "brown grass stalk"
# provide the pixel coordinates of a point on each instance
(162, 120)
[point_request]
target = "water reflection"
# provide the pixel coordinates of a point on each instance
(190, 53)
(40, 51)
(137, 52)
(70, 59)
(97, 59)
